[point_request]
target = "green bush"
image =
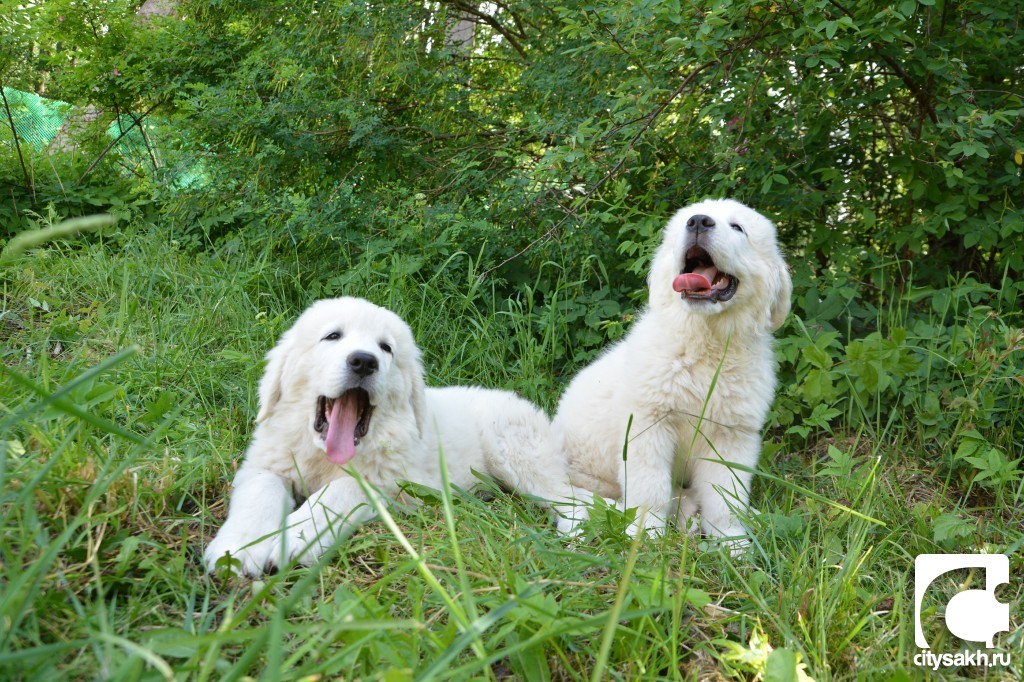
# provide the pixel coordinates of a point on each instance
(943, 368)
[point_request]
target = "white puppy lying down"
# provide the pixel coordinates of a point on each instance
(696, 375)
(344, 388)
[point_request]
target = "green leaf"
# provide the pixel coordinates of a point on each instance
(529, 663)
(817, 385)
(817, 357)
(868, 216)
(698, 599)
(950, 527)
(156, 409)
(970, 443)
(822, 415)
(841, 465)
(781, 666)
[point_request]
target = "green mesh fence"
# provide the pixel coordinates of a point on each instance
(140, 148)
(37, 120)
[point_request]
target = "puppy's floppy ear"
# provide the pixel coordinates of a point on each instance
(418, 392)
(665, 266)
(273, 377)
(783, 293)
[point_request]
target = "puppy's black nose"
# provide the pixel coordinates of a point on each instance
(363, 364)
(700, 223)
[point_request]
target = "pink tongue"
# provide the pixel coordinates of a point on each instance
(342, 417)
(691, 281)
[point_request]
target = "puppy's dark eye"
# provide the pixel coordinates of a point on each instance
(386, 347)
(333, 336)
(737, 227)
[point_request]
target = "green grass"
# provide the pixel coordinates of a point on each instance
(128, 392)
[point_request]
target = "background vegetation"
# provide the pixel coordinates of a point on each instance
(504, 194)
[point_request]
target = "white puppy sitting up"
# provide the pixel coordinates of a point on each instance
(688, 390)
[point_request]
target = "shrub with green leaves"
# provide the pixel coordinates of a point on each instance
(879, 136)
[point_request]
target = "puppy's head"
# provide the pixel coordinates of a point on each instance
(343, 366)
(720, 257)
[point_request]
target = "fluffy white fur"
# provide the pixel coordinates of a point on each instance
(485, 430)
(684, 432)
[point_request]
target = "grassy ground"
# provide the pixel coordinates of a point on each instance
(126, 400)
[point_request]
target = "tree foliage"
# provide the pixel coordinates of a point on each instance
(875, 134)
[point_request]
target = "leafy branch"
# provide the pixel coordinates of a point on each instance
(650, 119)
(136, 122)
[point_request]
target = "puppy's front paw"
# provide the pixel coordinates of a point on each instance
(686, 508)
(299, 542)
(569, 518)
(310, 532)
(726, 528)
(246, 555)
(736, 545)
(647, 522)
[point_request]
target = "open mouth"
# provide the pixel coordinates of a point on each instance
(343, 422)
(701, 280)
